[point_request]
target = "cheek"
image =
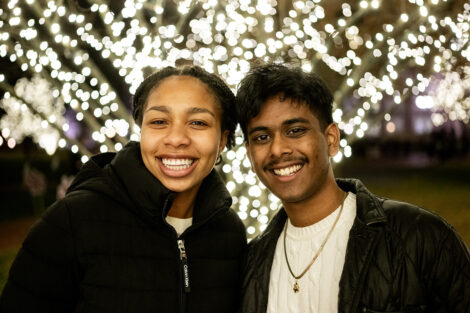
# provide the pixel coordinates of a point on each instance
(144, 142)
(148, 140)
(256, 156)
(144, 138)
(320, 159)
(322, 154)
(208, 143)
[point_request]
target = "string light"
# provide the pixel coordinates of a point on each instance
(418, 52)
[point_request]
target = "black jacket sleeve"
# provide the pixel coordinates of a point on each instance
(450, 275)
(43, 276)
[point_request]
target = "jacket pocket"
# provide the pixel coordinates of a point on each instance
(414, 309)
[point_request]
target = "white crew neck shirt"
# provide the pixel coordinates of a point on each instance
(179, 224)
(319, 287)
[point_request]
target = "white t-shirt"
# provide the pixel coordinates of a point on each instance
(179, 224)
(319, 287)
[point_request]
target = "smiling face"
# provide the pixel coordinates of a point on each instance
(181, 134)
(289, 151)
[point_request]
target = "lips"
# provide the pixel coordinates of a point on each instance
(177, 164)
(287, 171)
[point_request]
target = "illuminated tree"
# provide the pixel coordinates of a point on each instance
(89, 56)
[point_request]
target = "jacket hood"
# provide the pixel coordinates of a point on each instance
(92, 175)
(123, 177)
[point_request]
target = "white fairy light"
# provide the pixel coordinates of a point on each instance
(225, 37)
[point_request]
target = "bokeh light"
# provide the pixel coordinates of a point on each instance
(80, 66)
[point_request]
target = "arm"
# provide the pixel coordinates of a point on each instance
(43, 276)
(451, 273)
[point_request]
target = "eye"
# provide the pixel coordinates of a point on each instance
(260, 138)
(199, 123)
(296, 131)
(158, 122)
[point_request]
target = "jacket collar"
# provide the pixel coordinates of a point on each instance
(139, 186)
(146, 192)
(368, 208)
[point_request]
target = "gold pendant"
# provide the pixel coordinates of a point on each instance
(296, 287)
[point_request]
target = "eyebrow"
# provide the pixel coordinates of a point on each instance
(193, 110)
(284, 123)
(295, 120)
(258, 128)
(160, 108)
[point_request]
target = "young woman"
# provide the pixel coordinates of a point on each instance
(147, 229)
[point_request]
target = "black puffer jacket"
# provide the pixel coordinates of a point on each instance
(107, 248)
(399, 258)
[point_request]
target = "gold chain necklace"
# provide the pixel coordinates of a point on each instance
(296, 284)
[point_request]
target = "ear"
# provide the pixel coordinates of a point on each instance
(332, 139)
(223, 141)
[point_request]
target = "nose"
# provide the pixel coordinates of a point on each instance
(280, 146)
(177, 136)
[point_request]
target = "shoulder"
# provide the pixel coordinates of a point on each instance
(83, 197)
(233, 217)
(266, 241)
(400, 218)
(85, 203)
(79, 204)
(89, 209)
(50, 238)
(222, 228)
(408, 219)
(424, 236)
(257, 242)
(428, 241)
(256, 248)
(229, 221)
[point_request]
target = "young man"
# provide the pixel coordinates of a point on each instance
(334, 246)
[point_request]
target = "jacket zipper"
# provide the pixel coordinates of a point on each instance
(184, 268)
(185, 273)
(184, 264)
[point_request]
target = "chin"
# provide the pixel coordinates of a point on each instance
(289, 197)
(177, 187)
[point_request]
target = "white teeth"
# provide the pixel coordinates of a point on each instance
(177, 164)
(287, 171)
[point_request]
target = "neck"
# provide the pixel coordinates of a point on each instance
(317, 206)
(183, 205)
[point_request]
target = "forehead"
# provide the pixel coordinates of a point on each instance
(182, 90)
(276, 111)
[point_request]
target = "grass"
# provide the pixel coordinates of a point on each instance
(12, 234)
(444, 190)
(6, 259)
(449, 200)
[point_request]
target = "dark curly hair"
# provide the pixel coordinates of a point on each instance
(266, 81)
(221, 91)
